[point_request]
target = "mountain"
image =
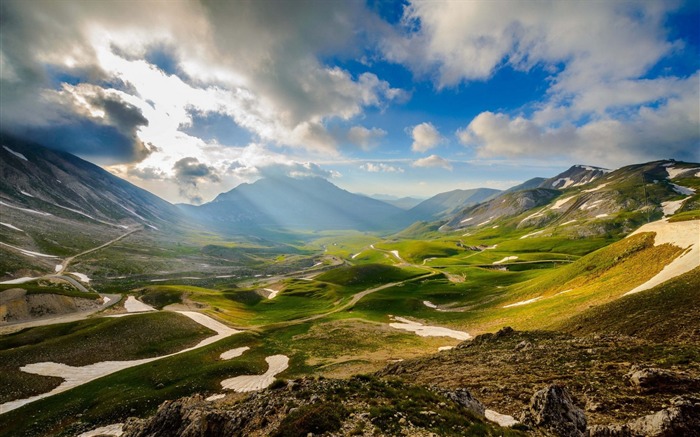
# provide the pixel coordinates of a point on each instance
(295, 204)
(54, 204)
(445, 204)
(593, 200)
(575, 176)
(399, 202)
(35, 177)
(527, 185)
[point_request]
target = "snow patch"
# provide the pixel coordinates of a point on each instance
(586, 206)
(601, 216)
(508, 258)
(24, 209)
(445, 348)
(567, 182)
(429, 304)
(559, 203)
(682, 190)
(81, 276)
(113, 430)
(18, 280)
(531, 216)
(396, 254)
(355, 255)
(28, 252)
(531, 234)
(245, 383)
(11, 226)
(215, 397)
(596, 188)
(272, 292)
(428, 331)
(233, 353)
(673, 172)
(17, 154)
(523, 302)
(466, 220)
(685, 235)
(58, 268)
(567, 223)
(136, 306)
(25, 193)
(501, 419)
(671, 207)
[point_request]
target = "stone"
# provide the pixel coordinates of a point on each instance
(463, 397)
(553, 410)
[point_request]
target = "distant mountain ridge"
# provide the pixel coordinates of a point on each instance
(445, 204)
(296, 204)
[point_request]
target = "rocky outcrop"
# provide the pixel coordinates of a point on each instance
(682, 418)
(553, 410)
(463, 397)
(652, 379)
(16, 305)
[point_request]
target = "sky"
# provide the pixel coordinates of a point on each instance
(189, 99)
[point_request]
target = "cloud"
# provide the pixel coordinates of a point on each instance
(425, 137)
(365, 138)
(668, 129)
(433, 161)
(296, 170)
(464, 41)
(190, 173)
(380, 167)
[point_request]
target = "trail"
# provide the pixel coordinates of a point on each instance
(68, 260)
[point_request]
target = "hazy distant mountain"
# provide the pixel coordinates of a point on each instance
(405, 203)
(527, 185)
(446, 204)
(295, 204)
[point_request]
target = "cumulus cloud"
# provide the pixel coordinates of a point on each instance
(666, 130)
(433, 161)
(365, 138)
(425, 137)
(380, 167)
(190, 173)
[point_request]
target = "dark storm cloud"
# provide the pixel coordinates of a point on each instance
(190, 174)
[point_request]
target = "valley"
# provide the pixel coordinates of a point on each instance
(577, 280)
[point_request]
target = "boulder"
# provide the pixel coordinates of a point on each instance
(682, 418)
(653, 379)
(553, 410)
(463, 397)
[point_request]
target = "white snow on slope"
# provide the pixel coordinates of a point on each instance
(567, 223)
(11, 226)
(508, 258)
(429, 304)
(113, 430)
(396, 254)
(75, 376)
(683, 190)
(272, 292)
(24, 209)
(675, 171)
(596, 188)
(587, 206)
(671, 206)
(81, 276)
(136, 306)
(466, 219)
(25, 193)
(559, 203)
(245, 383)
(17, 154)
(28, 252)
(601, 216)
(685, 235)
(233, 353)
(531, 234)
(567, 182)
(58, 268)
(18, 280)
(524, 302)
(501, 419)
(428, 331)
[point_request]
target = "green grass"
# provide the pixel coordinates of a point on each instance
(366, 275)
(62, 289)
(90, 341)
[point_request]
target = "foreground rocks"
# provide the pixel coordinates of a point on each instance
(553, 410)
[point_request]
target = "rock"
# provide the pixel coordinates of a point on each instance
(652, 379)
(523, 346)
(682, 418)
(463, 397)
(552, 409)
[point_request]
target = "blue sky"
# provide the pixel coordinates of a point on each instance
(401, 98)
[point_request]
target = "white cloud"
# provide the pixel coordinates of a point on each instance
(365, 138)
(433, 161)
(668, 129)
(425, 137)
(380, 167)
